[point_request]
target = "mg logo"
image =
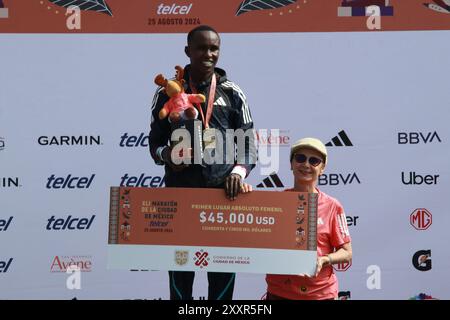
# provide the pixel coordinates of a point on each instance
(421, 219)
(342, 266)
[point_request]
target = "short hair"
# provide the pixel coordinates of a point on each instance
(200, 28)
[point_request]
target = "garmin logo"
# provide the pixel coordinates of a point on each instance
(69, 140)
(7, 182)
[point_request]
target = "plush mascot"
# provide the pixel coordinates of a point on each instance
(180, 106)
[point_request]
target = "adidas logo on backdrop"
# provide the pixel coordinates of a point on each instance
(272, 181)
(341, 140)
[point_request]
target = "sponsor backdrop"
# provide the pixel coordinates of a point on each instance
(74, 120)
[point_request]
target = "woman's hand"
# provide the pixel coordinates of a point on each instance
(245, 187)
(321, 261)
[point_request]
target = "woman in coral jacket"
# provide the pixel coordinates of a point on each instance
(308, 159)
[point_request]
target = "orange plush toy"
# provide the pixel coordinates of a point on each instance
(180, 106)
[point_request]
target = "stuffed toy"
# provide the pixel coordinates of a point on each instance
(180, 105)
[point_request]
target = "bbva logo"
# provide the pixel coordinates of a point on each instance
(418, 137)
(335, 179)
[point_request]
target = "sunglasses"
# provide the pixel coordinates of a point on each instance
(301, 158)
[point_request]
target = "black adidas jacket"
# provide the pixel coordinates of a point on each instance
(230, 111)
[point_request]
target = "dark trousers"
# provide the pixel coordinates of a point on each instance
(220, 285)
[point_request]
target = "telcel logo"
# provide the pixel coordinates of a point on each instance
(4, 224)
(4, 265)
(133, 141)
(69, 223)
(141, 181)
(173, 9)
(69, 182)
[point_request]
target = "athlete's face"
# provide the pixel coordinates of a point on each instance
(203, 51)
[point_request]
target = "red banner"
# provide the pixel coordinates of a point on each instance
(177, 16)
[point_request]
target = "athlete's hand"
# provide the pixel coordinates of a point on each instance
(233, 184)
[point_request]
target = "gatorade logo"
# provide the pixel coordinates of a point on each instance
(421, 260)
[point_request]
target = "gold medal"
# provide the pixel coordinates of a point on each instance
(209, 138)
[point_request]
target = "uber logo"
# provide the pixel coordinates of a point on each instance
(416, 179)
(69, 223)
(69, 182)
(351, 220)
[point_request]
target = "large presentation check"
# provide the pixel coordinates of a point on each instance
(191, 229)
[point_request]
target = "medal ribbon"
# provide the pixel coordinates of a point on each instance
(212, 93)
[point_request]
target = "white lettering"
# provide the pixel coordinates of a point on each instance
(74, 20)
